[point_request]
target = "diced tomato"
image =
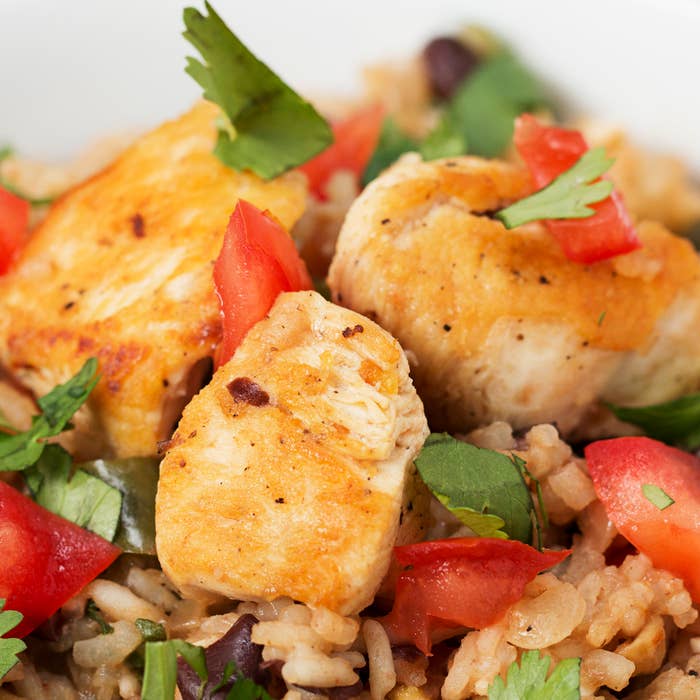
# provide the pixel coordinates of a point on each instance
(355, 139)
(14, 221)
(461, 582)
(548, 151)
(257, 262)
(46, 560)
(669, 537)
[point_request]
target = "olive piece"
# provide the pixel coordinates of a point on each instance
(448, 63)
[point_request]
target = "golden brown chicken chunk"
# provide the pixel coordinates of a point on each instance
(287, 473)
(498, 324)
(122, 269)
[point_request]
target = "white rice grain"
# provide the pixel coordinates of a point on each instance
(382, 674)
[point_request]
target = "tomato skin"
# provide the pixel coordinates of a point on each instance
(669, 537)
(14, 221)
(548, 151)
(258, 261)
(460, 582)
(355, 139)
(46, 559)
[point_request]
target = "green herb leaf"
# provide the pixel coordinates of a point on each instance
(484, 488)
(528, 680)
(21, 450)
(657, 496)
(392, 144)
(269, 128)
(94, 613)
(137, 480)
(83, 499)
(160, 667)
(676, 422)
(567, 195)
(521, 464)
(9, 648)
(150, 631)
(486, 104)
(444, 141)
(247, 689)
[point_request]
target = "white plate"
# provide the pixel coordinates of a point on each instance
(73, 70)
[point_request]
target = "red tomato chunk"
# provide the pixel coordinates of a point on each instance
(460, 582)
(258, 261)
(548, 151)
(46, 559)
(14, 221)
(355, 139)
(669, 537)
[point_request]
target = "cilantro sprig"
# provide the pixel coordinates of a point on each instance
(528, 680)
(48, 470)
(20, 450)
(81, 498)
(443, 142)
(9, 647)
(485, 489)
(567, 196)
(267, 127)
(676, 422)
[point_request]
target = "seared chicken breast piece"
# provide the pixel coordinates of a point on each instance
(122, 269)
(498, 324)
(287, 473)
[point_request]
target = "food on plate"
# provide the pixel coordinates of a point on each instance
(313, 535)
(123, 262)
(306, 437)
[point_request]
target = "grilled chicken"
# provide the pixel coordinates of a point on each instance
(122, 269)
(287, 472)
(498, 324)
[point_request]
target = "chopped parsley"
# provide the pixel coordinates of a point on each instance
(81, 498)
(567, 196)
(676, 422)
(48, 469)
(265, 127)
(488, 101)
(150, 631)
(528, 680)
(94, 613)
(21, 450)
(9, 647)
(657, 496)
(485, 489)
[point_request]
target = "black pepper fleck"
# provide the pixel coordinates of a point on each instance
(245, 390)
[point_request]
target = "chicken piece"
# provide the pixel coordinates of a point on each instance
(287, 473)
(498, 324)
(122, 269)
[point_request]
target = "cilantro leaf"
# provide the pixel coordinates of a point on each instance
(488, 101)
(5, 152)
(657, 496)
(83, 499)
(94, 613)
(567, 195)
(9, 648)
(150, 631)
(268, 128)
(676, 422)
(21, 450)
(160, 667)
(484, 488)
(444, 141)
(137, 480)
(528, 680)
(392, 144)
